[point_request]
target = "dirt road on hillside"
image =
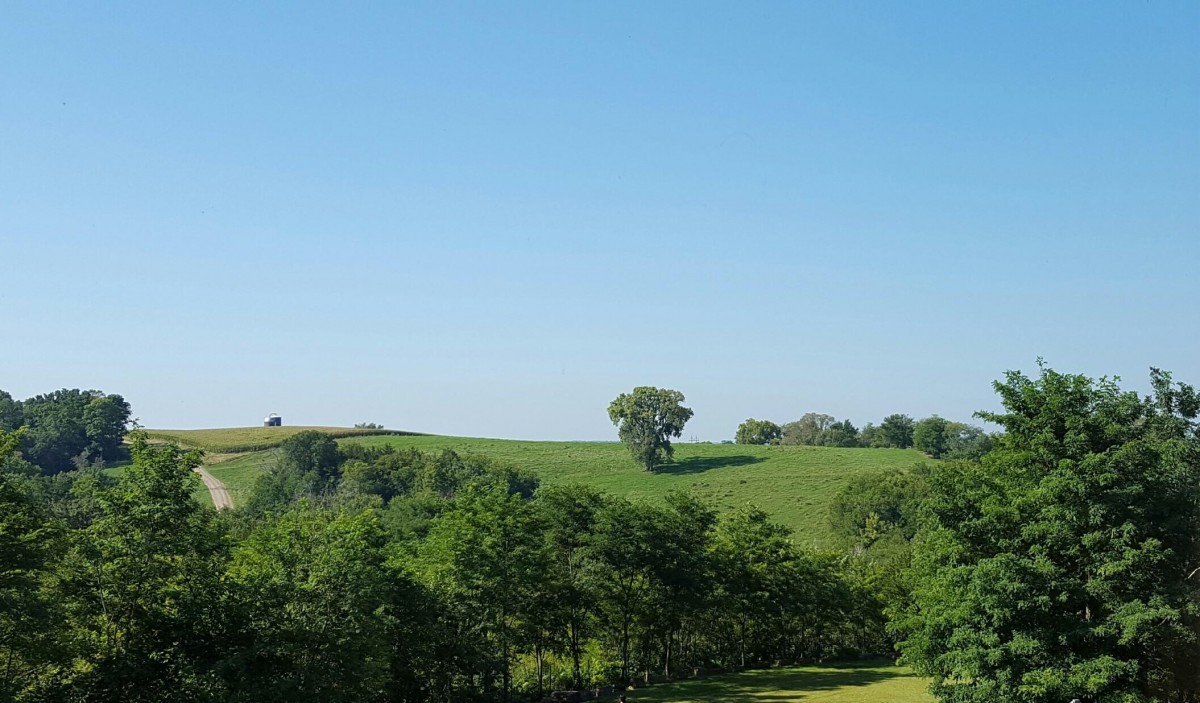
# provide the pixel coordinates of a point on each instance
(216, 489)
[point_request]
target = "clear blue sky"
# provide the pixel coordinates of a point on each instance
(492, 218)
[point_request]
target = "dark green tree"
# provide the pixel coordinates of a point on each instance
(11, 416)
(896, 431)
(840, 434)
(30, 632)
(105, 420)
(312, 589)
(1063, 565)
(758, 432)
(646, 420)
(929, 436)
(874, 504)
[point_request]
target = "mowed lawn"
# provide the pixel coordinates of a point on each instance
(869, 683)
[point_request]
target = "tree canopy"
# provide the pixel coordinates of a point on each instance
(1062, 565)
(646, 420)
(758, 432)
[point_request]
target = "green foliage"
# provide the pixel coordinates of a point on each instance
(312, 587)
(942, 439)
(875, 504)
(929, 436)
(896, 431)
(646, 420)
(1058, 566)
(67, 427)
(138, 585)
(758, 432)
(808, 430)
(11, 416)
(793, 484)
(28, 614)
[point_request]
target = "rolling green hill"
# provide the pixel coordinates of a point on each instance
(794, 484)
(231, 440)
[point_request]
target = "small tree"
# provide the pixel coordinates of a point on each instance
(758, 432)
(646, 420)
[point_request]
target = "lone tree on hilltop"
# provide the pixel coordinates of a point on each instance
(646, 420)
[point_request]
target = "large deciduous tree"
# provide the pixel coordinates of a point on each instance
(646, 420)
(1064, 564)
(896, 430)
(758, 432)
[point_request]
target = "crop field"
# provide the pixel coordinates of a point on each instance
(232, 440)
(848, 683)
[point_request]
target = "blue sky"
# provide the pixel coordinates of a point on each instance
(491, 218)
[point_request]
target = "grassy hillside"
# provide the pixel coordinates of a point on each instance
(794, 484)
(238, 474)
(232, 440)
(871, 683)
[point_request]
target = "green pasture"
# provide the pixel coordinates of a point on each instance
(847, 683)
(794, 484)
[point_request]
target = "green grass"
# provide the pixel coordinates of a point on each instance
(238, 474)
(232, 440)
(794, 484)
(846, 683)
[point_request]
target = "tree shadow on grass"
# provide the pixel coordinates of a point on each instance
(771, 686)
(700, 464)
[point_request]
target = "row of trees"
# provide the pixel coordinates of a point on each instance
(937, 437)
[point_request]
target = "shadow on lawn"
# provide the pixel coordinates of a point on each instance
(767, 686)
(700, 464)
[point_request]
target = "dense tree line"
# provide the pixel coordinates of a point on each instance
(939, 438)
(66, 429)
(358, 574)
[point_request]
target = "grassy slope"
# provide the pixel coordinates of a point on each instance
(249, 439)
(238, 474)
(794, 484)
(847, 683)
